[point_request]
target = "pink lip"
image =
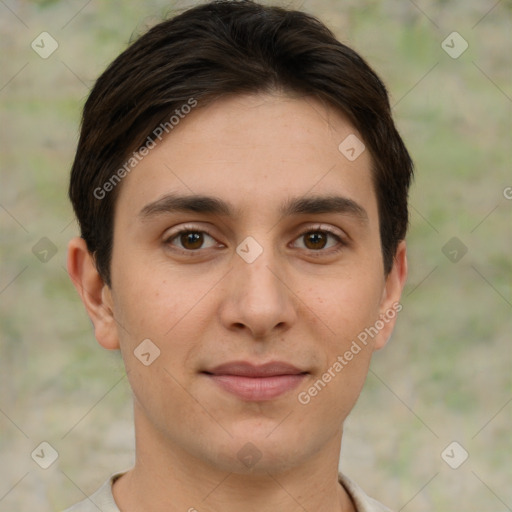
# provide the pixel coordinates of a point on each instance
(256, 382)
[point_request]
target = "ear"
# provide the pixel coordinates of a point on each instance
(95, 294)
(390, 303)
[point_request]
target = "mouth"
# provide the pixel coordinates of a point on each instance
(256, 382)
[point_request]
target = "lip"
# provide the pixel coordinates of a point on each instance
(247, 369)
(256, 382)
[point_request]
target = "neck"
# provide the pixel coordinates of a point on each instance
(166, 478)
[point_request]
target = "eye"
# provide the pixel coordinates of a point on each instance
(191, 240)
(318, 239)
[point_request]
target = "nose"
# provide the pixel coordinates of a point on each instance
(257, 297)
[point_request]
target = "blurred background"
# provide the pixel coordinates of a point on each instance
(444, 378)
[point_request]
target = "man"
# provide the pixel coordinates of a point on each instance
(242, 196)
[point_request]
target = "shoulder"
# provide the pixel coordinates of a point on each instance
(102, 499)
(362, 502)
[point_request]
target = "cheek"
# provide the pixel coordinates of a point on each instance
(345, 306)
(171, 312)
(152, 305)
(340, 310)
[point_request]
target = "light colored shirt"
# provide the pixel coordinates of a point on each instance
(103, 499)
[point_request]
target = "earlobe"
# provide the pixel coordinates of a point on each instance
(390, 303)
(93, 291)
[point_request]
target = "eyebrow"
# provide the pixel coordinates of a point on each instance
(324, 204)
(190, 203)
(171, 203)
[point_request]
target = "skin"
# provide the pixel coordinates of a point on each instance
(297, 302)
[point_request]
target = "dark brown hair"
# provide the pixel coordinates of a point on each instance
(224, 48)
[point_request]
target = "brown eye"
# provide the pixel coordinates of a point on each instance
(192, 240)
(319, 240)
(315, 240)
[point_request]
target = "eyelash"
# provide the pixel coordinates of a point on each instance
(341, 243)
(319, 252)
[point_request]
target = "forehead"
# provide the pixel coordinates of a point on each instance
(254, 150)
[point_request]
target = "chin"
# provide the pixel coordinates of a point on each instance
(258, 455)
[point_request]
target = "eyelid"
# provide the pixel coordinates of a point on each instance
(327, 228)
(172, 232)
(186, 228)
(340, 236)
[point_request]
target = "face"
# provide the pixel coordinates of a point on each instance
(247, 249)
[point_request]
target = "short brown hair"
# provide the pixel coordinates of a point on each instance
(224, 48)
